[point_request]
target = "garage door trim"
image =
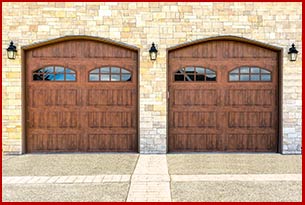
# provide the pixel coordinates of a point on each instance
(63, 39)
(278, 50)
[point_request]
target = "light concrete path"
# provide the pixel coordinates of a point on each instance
(150, 180)
(65, 179)
(237, 177)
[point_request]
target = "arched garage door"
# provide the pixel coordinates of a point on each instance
(223, 96)
(81, 96)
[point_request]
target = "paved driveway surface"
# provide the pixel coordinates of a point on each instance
(234, 164)
(68, 164)
(133, 177)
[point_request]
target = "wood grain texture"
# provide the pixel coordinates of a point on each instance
(81, 116)
(223, 116)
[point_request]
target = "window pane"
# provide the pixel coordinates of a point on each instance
(255, 70)
(95, 71)
(105, 70)
(70, 77)
(59, 77)
(37, 76)
(69, 70)
(125, 71)
(115, 70)
(208, 71)
(189, 78)
(200, 78)
(255, 77)
(211, 77)
(59, 69)
(105, 78)
(48, 69)
(244, 69)
(244, 77)
(49, 76)
(235, 71)
(126, 77)
(266, 77)
(189, 69)
(93, 77)
(233, 77)
(264, 71)
(179, 77)
(180, 70)
(200, 70)
(115, 77)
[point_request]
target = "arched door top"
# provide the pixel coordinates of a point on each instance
(78, 37)
(226, 37)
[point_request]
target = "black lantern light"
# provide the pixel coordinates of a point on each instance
(293, 53)
(11, 51)
(153, 52)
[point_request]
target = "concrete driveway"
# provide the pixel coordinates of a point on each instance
(235, 177)
(134, 177)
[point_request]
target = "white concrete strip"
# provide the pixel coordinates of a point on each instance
(65, 179)
(52, 179)
(150, 180)
(238, 177)
(80, 179)
(125, 178)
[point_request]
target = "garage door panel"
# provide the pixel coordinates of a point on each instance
(251, 142)
(100, 142)
(249, 97)
(194, 119)
(193, 142)
(53, 97)
(249, 119)
(53, 142)
(111, 97)
(73, 49)
(194, 130)
(63, 111)
(195, 97)
(228, 114)
(111, 119)
(53, 119)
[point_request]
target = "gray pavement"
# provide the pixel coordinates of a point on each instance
(68, 164)
(172, 177)
(237, 191)
(65, 192)
(234, 164)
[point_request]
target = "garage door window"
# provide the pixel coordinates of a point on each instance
(54, 73)
(195, 74)
(249, 74)
(109, 74)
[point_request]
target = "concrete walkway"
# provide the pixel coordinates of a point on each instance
(150, 180)
(65, 179)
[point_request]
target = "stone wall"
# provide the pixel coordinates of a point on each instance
(140, 24)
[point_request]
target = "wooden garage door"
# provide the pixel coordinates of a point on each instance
(223, 96)
(81, 96)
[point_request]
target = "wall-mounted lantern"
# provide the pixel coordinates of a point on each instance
(11, 51)
(293, 53)
(153, 52)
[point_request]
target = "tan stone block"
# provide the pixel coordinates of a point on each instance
(60, 14)
(71, 14)
(13, 75)
(43, 28)
(185, 9)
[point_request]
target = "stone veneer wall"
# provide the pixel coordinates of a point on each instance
(140, 24)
